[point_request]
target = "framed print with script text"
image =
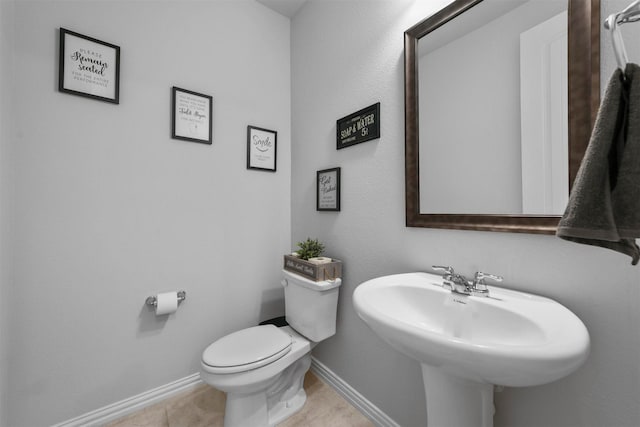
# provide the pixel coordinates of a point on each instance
(262, 148)
(191, 118)
(88, 67)
(328, 190)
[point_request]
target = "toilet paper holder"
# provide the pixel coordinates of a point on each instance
(153, 301)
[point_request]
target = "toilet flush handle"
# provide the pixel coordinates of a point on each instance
(284, 283)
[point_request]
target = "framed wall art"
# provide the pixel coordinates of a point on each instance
(262, 148)
(328, 190)
(361, 126)
(191, 117)
(88, 67)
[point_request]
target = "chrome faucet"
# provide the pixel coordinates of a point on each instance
(459, 284)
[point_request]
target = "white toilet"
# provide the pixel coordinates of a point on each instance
(262, 368)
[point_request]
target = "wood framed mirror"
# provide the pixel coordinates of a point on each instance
(582, 102)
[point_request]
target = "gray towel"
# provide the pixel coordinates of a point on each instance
(604, 204)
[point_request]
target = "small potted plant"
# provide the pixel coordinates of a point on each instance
(306, 260)
(310, 250)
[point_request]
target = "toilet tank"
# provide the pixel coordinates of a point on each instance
(311, 307)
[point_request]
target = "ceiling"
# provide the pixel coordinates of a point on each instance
(287, 8)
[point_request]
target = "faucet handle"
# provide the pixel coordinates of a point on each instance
(479, 287)
(480, 276)
(448, 271)
(447, 277)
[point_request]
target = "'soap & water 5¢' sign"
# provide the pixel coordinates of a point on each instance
(361, 126)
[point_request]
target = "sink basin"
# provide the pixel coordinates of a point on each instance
(509, 338)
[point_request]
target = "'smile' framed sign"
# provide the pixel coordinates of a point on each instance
(361, 126)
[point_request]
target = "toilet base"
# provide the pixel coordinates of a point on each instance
(269, 407)
(287, 395)
(244, 410)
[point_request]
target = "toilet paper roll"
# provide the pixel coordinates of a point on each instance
(319, 260)
(166, 303)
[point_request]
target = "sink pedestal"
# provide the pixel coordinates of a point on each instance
(454, 401)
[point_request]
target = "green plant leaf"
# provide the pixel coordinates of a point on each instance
(310, 248)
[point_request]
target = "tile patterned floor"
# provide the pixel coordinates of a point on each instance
(204, 407)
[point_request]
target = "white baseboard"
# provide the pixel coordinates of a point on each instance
(367, 408)
(127, 406)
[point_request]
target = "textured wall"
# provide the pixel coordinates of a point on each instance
(6, 122)
(109, 209)
(348, 55)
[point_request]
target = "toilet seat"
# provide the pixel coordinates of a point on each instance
(247, 349)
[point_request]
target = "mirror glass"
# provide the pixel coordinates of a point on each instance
(500, 98)
(493, 110)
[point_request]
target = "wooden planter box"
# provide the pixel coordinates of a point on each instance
(317, 272)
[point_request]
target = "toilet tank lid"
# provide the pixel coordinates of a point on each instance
(247, 347)
(322, 285)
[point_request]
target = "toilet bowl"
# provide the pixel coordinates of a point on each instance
(262, 368)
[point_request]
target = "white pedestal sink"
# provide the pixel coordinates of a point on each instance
(468, 344)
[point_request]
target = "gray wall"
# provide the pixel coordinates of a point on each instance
(348, 55)
(108, 209)
(6, 64)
